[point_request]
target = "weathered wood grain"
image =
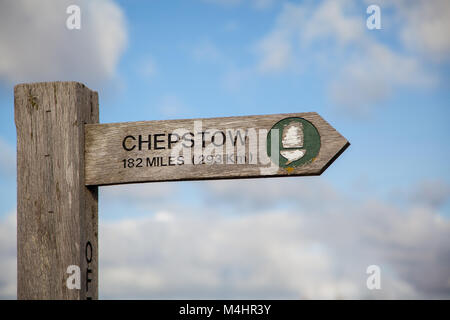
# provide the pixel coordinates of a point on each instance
(105, 153)
(56, 212)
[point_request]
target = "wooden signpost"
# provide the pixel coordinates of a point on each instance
(64, 154)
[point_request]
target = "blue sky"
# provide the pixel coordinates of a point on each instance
(387, 91)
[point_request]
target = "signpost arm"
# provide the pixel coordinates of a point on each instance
(57, 215)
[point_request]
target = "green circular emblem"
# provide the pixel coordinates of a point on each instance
(298, 142)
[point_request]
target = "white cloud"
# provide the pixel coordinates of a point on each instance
(277, 254)
(433, 193)
(137, 192)
(430, 193)
(307, 191)
(7, 159)
(258, 247)
(35, 44)
(299, 28)
(423, 26)
(330, 21)
(8, 256)
(361, 70)
(374, 75)
(264, 251)
(276, 53)
(198, 256)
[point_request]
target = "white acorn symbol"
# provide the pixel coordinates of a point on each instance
(292, 139)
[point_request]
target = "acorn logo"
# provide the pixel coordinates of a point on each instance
(299, 142)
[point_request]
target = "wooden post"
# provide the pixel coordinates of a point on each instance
(57, 215)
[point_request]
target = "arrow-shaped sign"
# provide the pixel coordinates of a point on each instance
(217, 148)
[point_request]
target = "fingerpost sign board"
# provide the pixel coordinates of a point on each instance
(64, 154)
